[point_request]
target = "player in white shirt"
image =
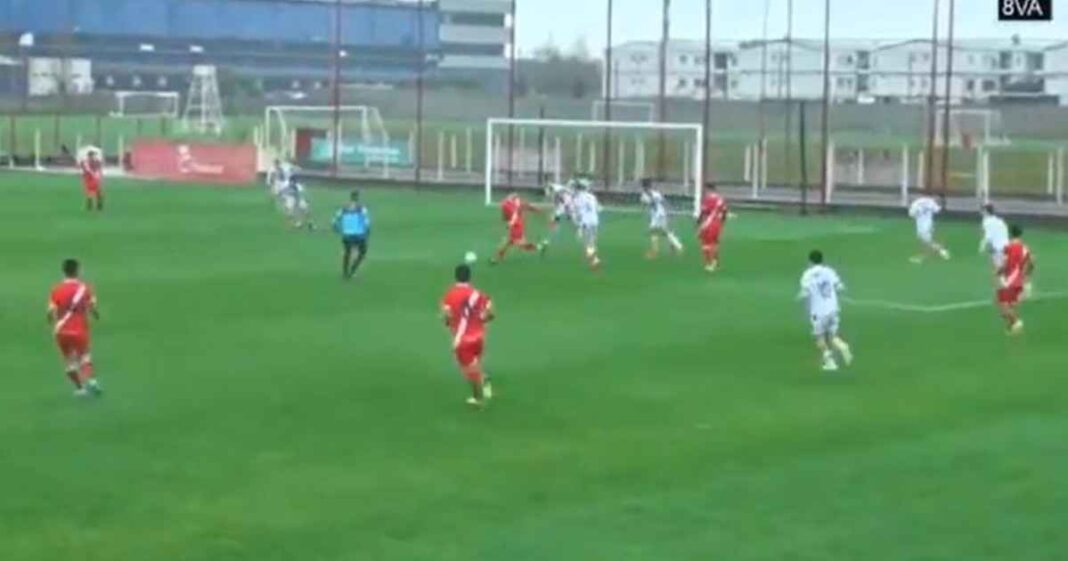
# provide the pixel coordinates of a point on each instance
(588, 212)
(820, 286)
(295, 204)
(658, 220)
(995, 236)
(923, 211)
(278, 178)
(563, 201)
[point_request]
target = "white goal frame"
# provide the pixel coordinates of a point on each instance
(282, 135)
(121, 96)
(697, 130)
(598, 105)
(988, 136)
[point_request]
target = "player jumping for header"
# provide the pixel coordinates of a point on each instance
(923, 211)
(1013, 280)
(92, 168)
(820, 286)
(513, 209)
(710, 220)
(658, 220)
(353, 223)
(466, 311)
(69, 306)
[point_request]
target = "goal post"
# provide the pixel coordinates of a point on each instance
(134, 105)
(970, 127)
(624, 110)
(314, 135)
(552, 150)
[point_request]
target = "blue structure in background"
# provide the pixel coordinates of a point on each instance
(282, 43)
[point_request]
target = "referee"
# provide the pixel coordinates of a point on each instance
(353, 223)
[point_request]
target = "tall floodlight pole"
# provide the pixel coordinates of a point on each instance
(707, 116)
(824, 119)
(932, 103)
(512, 91)
(949, 102)
(762, 141)
(665, 35)
(336, 90)
(788, 105)
(608, 83)
(421, 62)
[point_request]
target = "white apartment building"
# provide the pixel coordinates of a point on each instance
(860, 70)
(1056, 71)
(474, 34)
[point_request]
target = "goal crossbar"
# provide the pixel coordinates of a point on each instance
(697, 130)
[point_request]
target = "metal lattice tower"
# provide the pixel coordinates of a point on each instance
(203, 109)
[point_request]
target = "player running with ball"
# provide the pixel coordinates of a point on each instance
(513, 209)
(658, 220)
(563, 200)
(923, 211)
(466, 311)
(1013, 280)
(820, 286)
(69, 306)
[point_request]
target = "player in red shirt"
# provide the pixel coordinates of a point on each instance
(69, 307)
(92, 181)
(466, 311)
(710, 221)
(1013, 279)
(512, 209)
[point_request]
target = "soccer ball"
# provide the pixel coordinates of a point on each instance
(470, 257)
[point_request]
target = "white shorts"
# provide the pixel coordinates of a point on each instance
(926, 235)
(588, 233)
(825, 325)
(293, 204)
(658, 222)
(997, 257)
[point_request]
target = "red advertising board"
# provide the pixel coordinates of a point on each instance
(188, 161)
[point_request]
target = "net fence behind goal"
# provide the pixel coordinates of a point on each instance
(614, 156)
(315, 137)
(632, 111)
(146, 104)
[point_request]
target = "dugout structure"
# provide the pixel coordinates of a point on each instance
(532, 152)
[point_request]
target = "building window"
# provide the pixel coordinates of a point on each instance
(135, 81)
(109, 81)
(161, 82)
(682, 83)
(989, 85)
(683, 59)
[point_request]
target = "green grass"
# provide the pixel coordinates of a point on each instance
(258, 408)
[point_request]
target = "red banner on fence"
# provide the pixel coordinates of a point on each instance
(203, 163)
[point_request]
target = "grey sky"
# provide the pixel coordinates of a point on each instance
(566, 20)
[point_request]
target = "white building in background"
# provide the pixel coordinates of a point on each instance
(860, 70)
(1056, 71)
(474, 34)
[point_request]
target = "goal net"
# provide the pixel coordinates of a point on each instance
(615, 156)
(633, 111)
(134, 105)
(352, 136)
(970, 128)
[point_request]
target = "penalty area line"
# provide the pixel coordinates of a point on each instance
(943, 308)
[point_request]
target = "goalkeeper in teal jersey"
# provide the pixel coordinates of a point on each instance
(353, 223)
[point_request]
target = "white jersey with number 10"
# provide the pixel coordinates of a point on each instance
(820, 285)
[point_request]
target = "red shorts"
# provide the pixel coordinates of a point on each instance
(1010, 296)
(517, 232)
(710, 236)
(72, 346)
(91, 187)
(469, 352)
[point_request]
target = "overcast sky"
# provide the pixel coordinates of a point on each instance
(564, 21)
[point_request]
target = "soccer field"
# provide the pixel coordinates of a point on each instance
(259, 408)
